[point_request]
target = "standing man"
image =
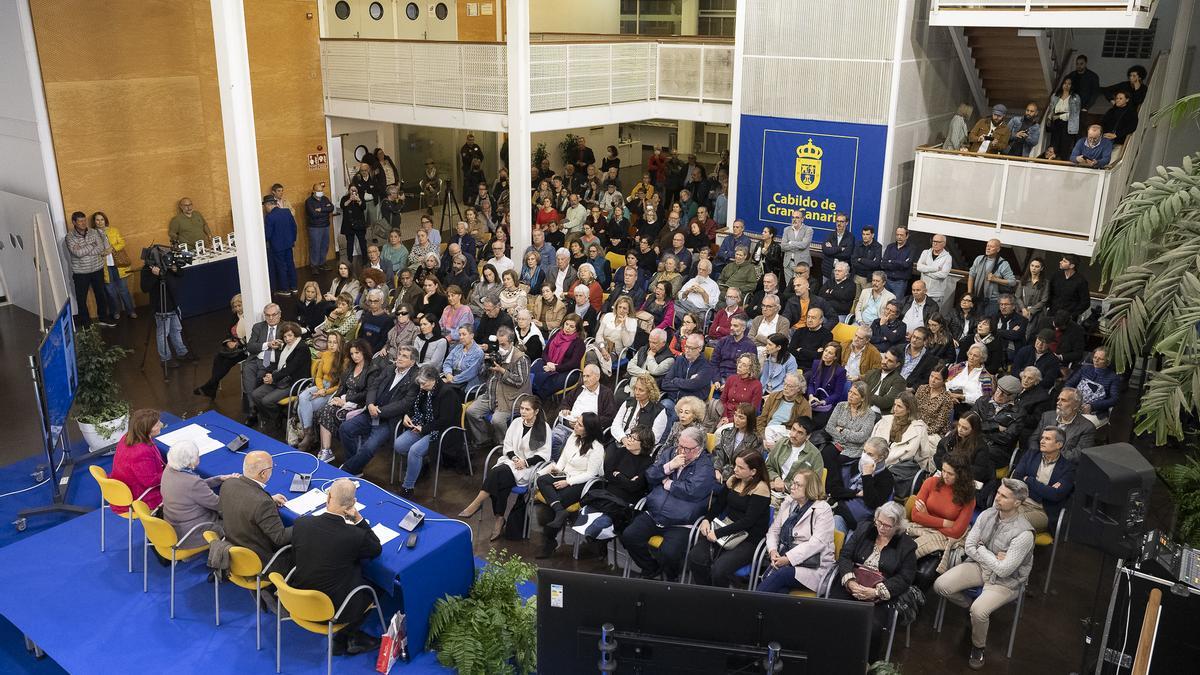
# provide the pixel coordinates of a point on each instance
(279, 226)
(584, 157)
(468, 153)
(159, 284)
(934, 267)
(318, 208)
(280, 199)
(1068, 289)
(898, 264)
(837, 246)
(188, 226)
(796, 240)
(1084, 82)
(866, 259)
(89, 248)
(990, 276)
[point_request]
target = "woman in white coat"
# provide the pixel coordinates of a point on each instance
(909, 447)
(800, 539)
(526, 445)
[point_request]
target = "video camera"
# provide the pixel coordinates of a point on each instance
(167, 257)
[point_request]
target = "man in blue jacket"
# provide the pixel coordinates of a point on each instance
(897, 263)
(1098, 385)
(1050, 477)
(279, 225)
(690, 375)
(839, 245)
(683, 479)
(318, 208)
(730, 244)
(866, 259)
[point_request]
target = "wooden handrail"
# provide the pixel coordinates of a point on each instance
(964, 153)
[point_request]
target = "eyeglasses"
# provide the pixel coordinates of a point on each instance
(883, 525)
(686, 448)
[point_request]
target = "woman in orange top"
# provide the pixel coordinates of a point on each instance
(942, 511)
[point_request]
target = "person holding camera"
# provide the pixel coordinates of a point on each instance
(507, 370)
(160, 275)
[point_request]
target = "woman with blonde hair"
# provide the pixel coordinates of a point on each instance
(956, 135)
(909, 449)
(689, 412)
(513, 297)
(326, 376)
(800, 539)
(311, 308)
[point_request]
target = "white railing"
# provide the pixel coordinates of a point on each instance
(1043, 13)
(1037, 5)
(564, 76)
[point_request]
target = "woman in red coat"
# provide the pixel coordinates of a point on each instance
(137, 462)
(742, 387)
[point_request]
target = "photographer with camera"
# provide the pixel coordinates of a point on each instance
(160, 274)
(507, 370)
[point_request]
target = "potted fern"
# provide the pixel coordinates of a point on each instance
(100, 411)
(568, 148)
(1184, 483)
(491, 631)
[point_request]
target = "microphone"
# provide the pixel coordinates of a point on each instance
(300, 481)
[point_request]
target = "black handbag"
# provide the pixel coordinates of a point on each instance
(908, 605)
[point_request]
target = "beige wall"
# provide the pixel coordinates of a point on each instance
(575, 16)
(131, 89)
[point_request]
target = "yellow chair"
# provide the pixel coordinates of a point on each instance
(162, 535)
(246, 571)
(615, 260)
(838, 539)
(115, 493)
(711, 444)
(313, 611)
(708, 352)
(844, 332)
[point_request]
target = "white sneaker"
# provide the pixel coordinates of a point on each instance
(326, 455)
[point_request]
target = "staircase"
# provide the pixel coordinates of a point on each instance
(1009, 67)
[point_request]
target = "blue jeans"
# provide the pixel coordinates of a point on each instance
(282, 268)
(318, 245)
(899, 288)
(169, 331)
(119, 298)
(309, 404)
(780, 580)
(360, 439)
(558, 438)
(415, 446)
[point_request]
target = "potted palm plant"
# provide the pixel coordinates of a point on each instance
(100, 411)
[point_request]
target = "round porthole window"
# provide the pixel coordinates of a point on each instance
(376, 11)
(412, 11)
(441, 11)
(342, 10)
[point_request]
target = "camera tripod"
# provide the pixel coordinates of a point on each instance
(448, 198)
(152, 329)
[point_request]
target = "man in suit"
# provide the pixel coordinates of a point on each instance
(1078, 433)
(389, 398)
(265, 338)
(885, 383)
(251, 516)
(329, 551)
(507, 379)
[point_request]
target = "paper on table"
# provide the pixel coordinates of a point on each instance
(384, 533)
(191, 432)
(306, 502)
(208, 444)
(321, 510)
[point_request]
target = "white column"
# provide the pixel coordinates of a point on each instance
(690, 22)
(45, 139)
(735, 125)
(685, 138)
(1172, 82)
(241, 152)
(520, 183)
(885, 226)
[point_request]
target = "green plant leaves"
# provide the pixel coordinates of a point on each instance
(98, 398)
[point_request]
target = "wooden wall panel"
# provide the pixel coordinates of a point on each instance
(135, 112)
(479, 28)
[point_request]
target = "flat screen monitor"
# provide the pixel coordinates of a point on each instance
(57, 368)
(670, 629)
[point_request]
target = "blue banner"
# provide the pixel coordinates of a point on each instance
(821, 167)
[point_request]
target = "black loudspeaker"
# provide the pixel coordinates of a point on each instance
(1112, 495)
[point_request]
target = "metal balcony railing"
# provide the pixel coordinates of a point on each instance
(1043, 13)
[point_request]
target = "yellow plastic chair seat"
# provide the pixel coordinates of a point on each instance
(317, 627)
(655, 541)
(286, 400)
(843, 332)
(1043, 539)
(574, 508)
(182, 554)
(801, 593)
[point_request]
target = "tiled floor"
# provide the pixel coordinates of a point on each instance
(1049, 639)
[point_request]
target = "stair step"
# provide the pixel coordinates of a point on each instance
(1007, 57)
(1012, 40)
(990, 30)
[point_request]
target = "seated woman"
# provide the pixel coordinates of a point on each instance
(289, 363)
(659, 306)
(826, 383)
(231, 351)
(435, 408)
(865, 486)
(907, 439)
(529, 336)
(187, 499)
(311, 308)
(526, 444)
(342, 319)
(618, 327)
(967, 440)
(371, 279)
(488, 286)
(547, 309)
(736, 438)
(669, 272)
(455, 315)
(849, 426)
(564, 353)
(608, 509)
(985, 335)
(326, 371)
(740, 507)
(430, 344)
(352, 390)
(777, 363)
(404, 332)
(431, 301)
(942, 511)
(800, 539)
(642, 409)
(877, 565)
(561, 483)
(586, 276)
(741, 387)
(532, 275)
(395, 252)
(343, 282)
(939, 341)
(374, 320)
(690, 323)
(137, 462)
(935, 404)
(422, 247)
(512, 296)
(578, 256)
(689, 412)
(969, 381)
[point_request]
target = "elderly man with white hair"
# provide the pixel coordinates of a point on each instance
(699, 294)
(562, 277)
(589, 397)
(188, 499)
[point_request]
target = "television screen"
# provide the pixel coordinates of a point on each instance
(60, 378)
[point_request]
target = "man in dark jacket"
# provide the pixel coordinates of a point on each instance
(1068, 289)
(897, 263)
(390, 395)
(690, 375)
(329, 551)
(885, 383)
(866, 259)
(888, 330)
(682, 481)
(1011, 325)
(1039, 355)
(807, 343)
(839, 245)
(318, 208)
(279, 226)
(1068, 340)
(251, 516)
(160, 285)
(1001, 421)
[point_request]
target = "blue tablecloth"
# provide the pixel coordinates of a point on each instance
(207, 287)
(441, 563)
